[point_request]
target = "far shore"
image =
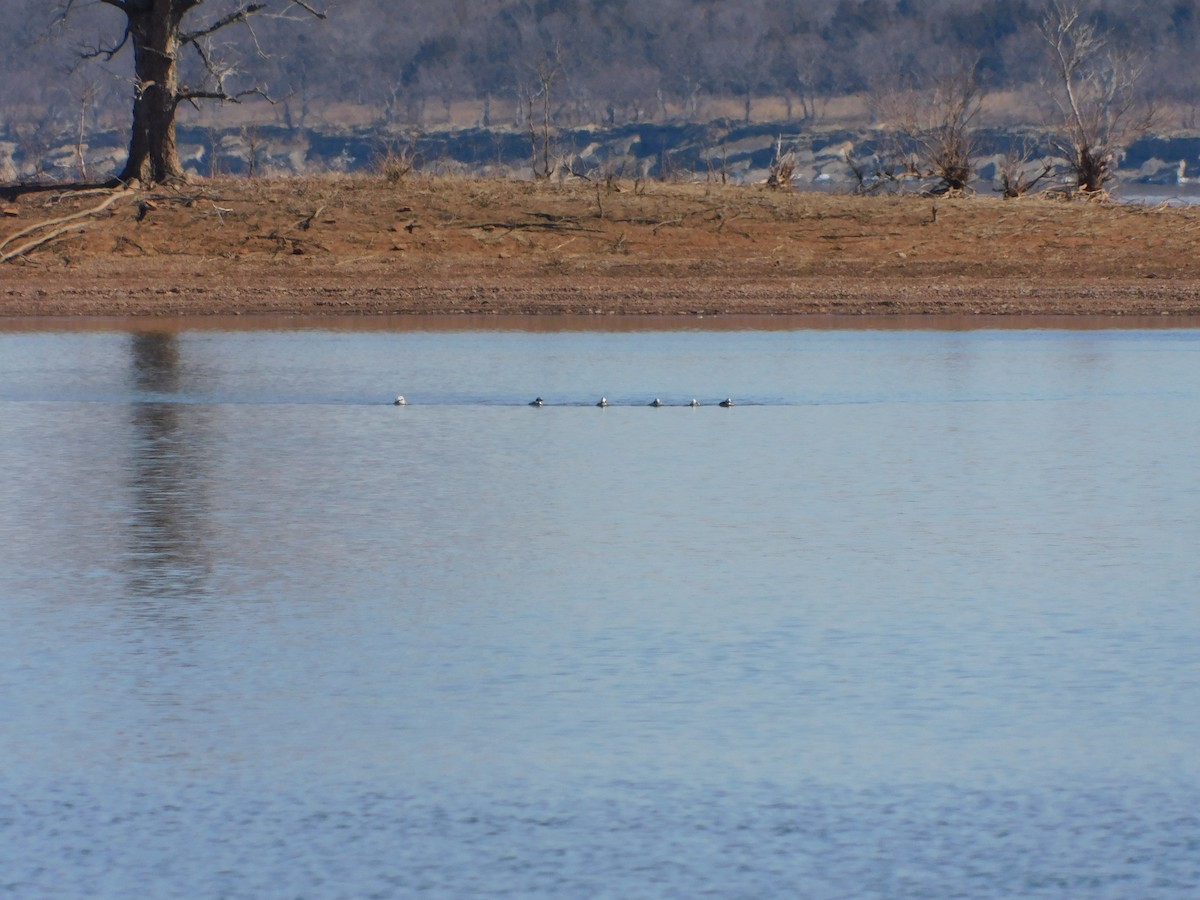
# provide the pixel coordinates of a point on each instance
(357, 246)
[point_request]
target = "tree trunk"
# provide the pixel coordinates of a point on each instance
(153, 154)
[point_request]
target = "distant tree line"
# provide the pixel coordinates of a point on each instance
(410, 63)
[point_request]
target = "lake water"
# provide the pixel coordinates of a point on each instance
(918, 617)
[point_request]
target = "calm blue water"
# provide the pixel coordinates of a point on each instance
(918, 617)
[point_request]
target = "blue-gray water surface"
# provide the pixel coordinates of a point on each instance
(916, 617)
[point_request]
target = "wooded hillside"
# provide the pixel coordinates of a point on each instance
(612, 62)
(396, 70)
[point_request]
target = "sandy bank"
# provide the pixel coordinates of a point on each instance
(358, 246)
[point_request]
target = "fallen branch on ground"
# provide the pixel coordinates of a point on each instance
(44, 239)
(565, 225)
(76, 194)
(54, 223)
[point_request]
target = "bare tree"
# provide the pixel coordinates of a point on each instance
(808, 72)
(934, 124)
(783, 167)
(949, 142)
(160, 32)
(541, 134)
(1018, 174)
(1094, 88)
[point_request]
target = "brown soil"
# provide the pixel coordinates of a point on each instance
(360, 246)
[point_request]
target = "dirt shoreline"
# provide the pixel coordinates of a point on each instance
(362, 247)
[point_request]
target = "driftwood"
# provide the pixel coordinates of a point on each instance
(60, 226)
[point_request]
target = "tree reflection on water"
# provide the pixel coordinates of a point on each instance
(168, 555)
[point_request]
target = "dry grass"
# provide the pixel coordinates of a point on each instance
(422, 243)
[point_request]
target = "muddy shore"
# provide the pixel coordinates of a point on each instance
(364, 247)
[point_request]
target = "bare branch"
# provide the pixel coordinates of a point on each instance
(186, 95)
(107, 53)
(308, 9)
(238, 15)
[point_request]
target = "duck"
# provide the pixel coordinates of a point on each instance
(538, 402)
(726, 403)
(399, 401)
(603, 402)
(657, 402)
